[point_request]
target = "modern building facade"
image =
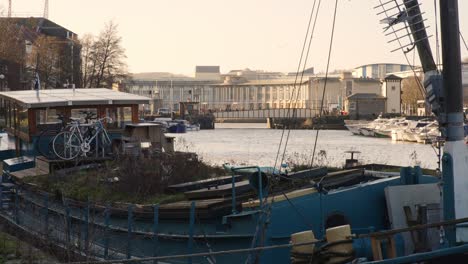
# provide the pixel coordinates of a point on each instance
(379, 70)
(243, 90)
(211, 73)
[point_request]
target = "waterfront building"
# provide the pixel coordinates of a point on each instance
(245, 90)
(391, 89)
(238, 93)
(18, 72)
(209, 73)
(379, 70)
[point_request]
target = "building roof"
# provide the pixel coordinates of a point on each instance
(43, 25)
(393, 77)
(207, 69)
(397, 64)
(367, 80)
(358, 96)
(72, 97)
(265, 82)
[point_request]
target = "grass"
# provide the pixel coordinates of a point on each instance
(142, 181)
(13, 250)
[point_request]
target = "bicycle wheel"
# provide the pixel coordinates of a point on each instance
(43, 145)
(66, 145)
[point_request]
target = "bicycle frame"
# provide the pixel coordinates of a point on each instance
(84, 143)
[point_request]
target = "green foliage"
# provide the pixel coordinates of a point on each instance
(128, 180)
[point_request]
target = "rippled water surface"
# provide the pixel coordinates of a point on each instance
(254, 144)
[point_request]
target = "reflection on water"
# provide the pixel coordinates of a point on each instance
(253, 144)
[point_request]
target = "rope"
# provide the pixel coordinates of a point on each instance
(302, 75)
(215, 253)
(295, 81)
(463, 39)
(265, 212)
(437, 34)
(326, 79)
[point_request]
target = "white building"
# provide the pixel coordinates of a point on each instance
(391, 89)
(209, 73)
(379, 70)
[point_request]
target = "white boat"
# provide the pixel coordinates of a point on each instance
(413, 129)
(428, 133)
(354, 128)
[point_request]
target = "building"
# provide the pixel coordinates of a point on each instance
(167, 93)
(210, 73)
(365, 106)
(391, 89)
(244, 90)
(41, 42)
(253, 75)
(379, 70)
(237, 93)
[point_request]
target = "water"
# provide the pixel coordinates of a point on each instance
(254, 144)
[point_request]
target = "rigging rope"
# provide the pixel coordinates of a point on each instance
(293, 98)
(302, 76)
(463, 39)
(437, 35)
(326, 79)
(295, 81)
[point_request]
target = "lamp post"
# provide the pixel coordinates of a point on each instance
(2, 80)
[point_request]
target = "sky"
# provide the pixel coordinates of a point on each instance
(176, 35)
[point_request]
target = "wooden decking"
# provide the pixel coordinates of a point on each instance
(42, 168)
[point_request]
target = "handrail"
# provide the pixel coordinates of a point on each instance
(412, 228)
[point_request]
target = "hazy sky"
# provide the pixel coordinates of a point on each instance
(176, 35)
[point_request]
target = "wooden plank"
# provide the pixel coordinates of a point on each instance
(207, 183)
(391, 249)
(376, 249)
(220, 191)
(28, 172)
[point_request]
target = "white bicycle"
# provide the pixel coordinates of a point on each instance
(68, 144)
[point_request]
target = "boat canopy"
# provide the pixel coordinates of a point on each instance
(71, 97)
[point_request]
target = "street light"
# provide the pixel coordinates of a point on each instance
(2, 78)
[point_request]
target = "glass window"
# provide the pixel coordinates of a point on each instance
(23, 120)
(83, 112)
(120, 117)
(259, 93)
(3, 113)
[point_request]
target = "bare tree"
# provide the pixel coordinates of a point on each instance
(45, 58)
(10, 42)
(103, 58)
(88, 60)
(411, 92)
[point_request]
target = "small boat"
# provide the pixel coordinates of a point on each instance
(354, 128)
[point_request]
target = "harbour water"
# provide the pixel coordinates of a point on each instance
(254, 144)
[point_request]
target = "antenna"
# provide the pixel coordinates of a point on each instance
(9, 8)
(406, 25)
(46, 9)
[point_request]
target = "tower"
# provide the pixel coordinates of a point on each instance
(46, 9)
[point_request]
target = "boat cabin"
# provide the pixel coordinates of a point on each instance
(26, 114)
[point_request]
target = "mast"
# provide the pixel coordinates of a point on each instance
(454, 161)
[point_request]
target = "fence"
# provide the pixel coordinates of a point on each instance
(267, 113)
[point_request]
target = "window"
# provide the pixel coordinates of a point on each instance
(393, 88)
(83, 112)
(259, 93)
(120, 116)
(23, 120)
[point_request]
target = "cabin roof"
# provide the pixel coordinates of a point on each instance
(72, 97)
